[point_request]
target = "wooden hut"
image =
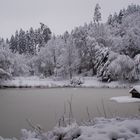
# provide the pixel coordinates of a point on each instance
(135, 92)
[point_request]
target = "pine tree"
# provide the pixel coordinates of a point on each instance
(22, 42)
(110, 19)
(97, 14)
(46, 32)
(120, 16)
(31, 41)
(14, 45)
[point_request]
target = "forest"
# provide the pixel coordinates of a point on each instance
(110, 51)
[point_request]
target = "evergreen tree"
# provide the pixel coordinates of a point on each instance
(30, 42)
(22, 42)
(97, 14)
(14, 46)
(120, 16)
(110, 19)
(46, 32)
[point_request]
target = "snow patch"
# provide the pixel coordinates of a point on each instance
(103, 129)
(125, 99)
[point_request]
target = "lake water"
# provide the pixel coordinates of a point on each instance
(46, 106)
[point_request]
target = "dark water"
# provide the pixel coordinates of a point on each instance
(46, 106)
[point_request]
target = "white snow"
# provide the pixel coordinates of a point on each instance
(108, 129)
(125, 99)
(94, 82)
(102, 129)
(35, 81)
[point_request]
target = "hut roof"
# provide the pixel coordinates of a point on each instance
(136, 88)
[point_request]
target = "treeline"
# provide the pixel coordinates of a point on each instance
(30, 42)
(111, 50)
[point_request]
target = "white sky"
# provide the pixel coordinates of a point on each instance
(59, 15)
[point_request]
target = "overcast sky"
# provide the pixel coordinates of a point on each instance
(59, 15)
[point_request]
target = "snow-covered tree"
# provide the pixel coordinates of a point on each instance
(46, 32)
(79, 37)
(97, 14)
(6, 61)
(95, 48)
(131, 42)
(44, 63)
(19, 66)
(137, 63)
(127, 69)
(14, 46)
(26, 42)
(101, 57)
(71, 57)
(67, 61)
(22, 42)
(131, 38)
(90, 57)
(118, 67)
(5, 57)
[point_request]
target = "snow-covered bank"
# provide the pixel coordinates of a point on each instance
(101, 129)
(36, 82)
(27, 82)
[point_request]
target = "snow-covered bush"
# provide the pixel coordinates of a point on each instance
(124, 68)
(76, 81)
(69, 132)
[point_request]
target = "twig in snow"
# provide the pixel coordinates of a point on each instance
(36, 128)
(104, 109)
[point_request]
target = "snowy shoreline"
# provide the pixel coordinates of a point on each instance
(97, 129)
(36, 82)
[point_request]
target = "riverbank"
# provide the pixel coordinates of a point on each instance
(97, 129)
(88, 82)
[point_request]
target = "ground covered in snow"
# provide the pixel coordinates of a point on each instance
(97, 129)
(27, 82)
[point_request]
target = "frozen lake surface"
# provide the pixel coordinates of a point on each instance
(46, 106)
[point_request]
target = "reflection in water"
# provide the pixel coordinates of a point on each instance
(46, 106)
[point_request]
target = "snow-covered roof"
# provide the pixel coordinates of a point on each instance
(137, 88)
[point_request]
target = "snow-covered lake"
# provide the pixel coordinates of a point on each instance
(46, 106)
